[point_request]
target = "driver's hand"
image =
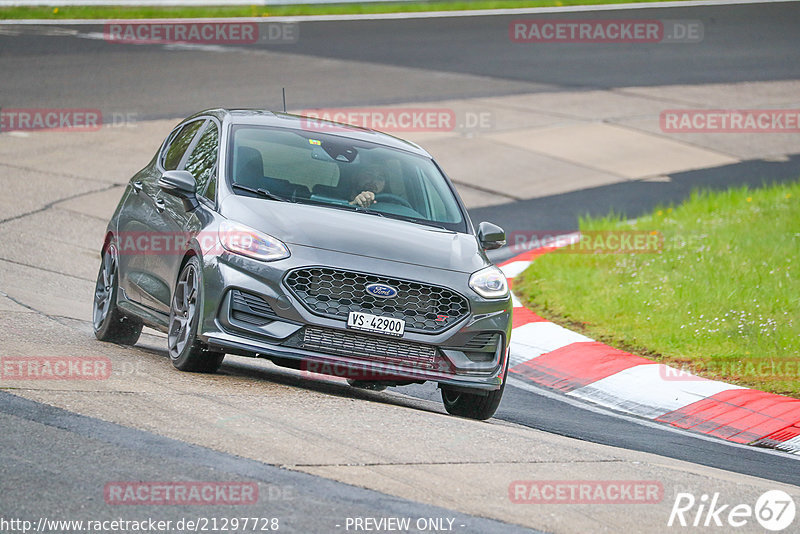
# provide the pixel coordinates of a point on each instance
(364, 199)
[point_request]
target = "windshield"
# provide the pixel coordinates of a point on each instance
(329, 170)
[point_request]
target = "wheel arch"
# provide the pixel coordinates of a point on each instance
(107, 241)
(193, 250)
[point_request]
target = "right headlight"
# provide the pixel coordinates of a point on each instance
(490, 283)
(240, 239)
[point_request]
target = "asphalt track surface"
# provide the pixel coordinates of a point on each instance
(82, 452)
(449, 58)
(454, 57)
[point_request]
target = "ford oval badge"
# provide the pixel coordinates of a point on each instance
(381, 290)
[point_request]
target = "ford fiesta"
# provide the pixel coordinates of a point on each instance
(319, 246)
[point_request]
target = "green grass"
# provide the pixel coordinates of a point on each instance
(145, 12)
(721, 299)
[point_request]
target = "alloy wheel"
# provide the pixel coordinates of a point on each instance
(183, 314)
(104, 288)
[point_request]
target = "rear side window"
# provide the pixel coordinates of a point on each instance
(180, 142)
(202, 162)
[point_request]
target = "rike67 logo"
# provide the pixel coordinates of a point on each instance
(774, 510)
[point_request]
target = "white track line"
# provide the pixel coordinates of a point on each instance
(511, 270)
(389, 16)
(584, 405)
(790, 445)
(643, 390)
(531, 340)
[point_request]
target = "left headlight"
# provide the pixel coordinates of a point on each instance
(490, 283)
(246, 241)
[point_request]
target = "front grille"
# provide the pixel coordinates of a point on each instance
(371, 347)
(250, 309)
(335, 293)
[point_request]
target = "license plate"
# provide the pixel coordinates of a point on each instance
(376, 323)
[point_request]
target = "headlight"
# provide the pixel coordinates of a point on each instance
(489, 283)
(241, 239)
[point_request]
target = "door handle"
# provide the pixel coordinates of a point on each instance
(137, 187)
(160, 205)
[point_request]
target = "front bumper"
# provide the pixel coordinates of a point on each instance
(292, 334)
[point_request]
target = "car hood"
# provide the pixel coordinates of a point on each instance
(357, 233)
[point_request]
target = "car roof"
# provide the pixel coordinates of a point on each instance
(261, 117)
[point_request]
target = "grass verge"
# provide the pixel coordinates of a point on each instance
(721, 298)
(170, 12)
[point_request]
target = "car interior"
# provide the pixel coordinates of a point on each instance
(326, 170)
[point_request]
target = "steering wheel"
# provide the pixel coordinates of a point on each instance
(392, 199)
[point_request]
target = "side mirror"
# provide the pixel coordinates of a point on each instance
(180, 184)
(491, 236)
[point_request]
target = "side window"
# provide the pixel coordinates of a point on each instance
(202, 162)
(174, 153)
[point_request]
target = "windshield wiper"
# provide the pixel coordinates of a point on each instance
(262, 192)
(424, 222)
(369, 211)
(408, 218)
(345, 207)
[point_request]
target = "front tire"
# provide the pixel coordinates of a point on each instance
(108, 322)
(186, 352)
(473, 405)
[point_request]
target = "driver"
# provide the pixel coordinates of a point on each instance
(369, 182)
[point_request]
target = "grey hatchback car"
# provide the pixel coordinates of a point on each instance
(320, 246)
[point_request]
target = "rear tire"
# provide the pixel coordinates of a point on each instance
(108, 322)
(186, 352)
